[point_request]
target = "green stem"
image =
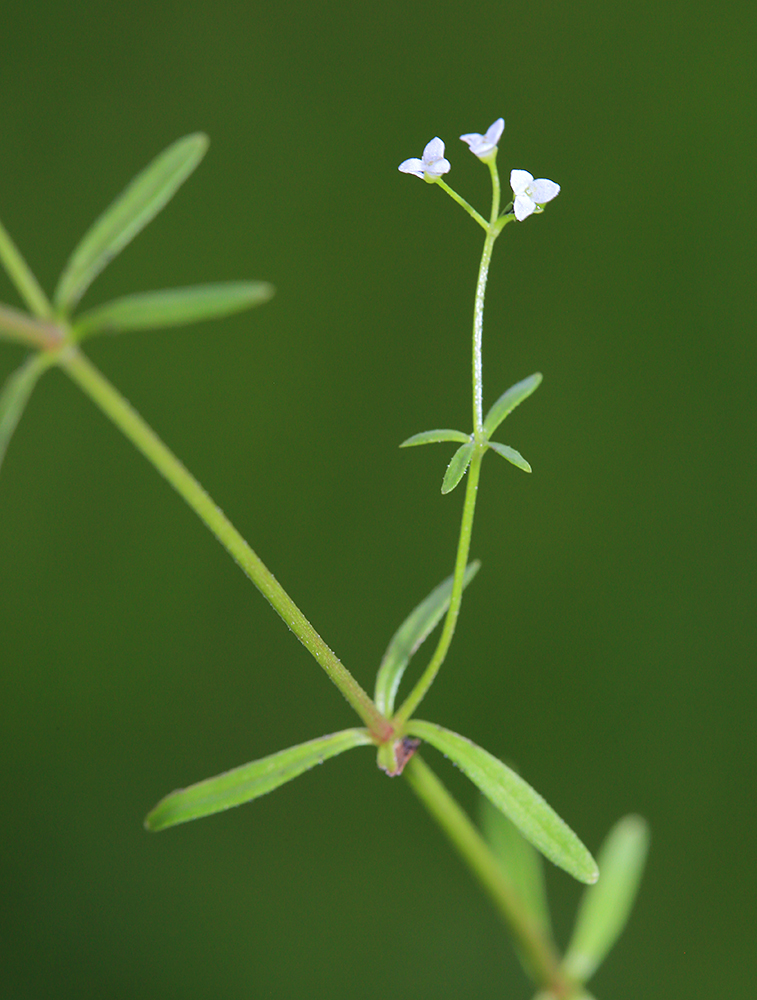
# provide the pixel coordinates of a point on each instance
(461, 201)
(463, 549)
(19, 326)
(18, 270)
(144, 438)
(469, 507)
(474, 850)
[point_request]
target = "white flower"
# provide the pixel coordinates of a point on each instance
(432, 165)
(530, 195)
(483, 145)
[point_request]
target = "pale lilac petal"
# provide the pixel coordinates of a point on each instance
(524, 206)
(543, 190)
(438, 168)
(434, 150)
(412, 166)
(519, 181)
(494, 132)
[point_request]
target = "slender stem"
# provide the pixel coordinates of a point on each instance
(19, 326)
(110, 401)
(18, 270)
(461, 201)
(463, 548)
(478, 308)
(469, 507)
(474, 850)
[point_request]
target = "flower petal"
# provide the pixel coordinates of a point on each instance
(434, 150)
(524, 206)
(438, 167)
(495, 130)
(412, 166)
(519, 181)
(543, 190)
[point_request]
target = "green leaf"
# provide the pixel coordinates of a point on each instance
(457, 467)
(511, 455)
(15, 395)
(412, 632)
(519, 860)
(172, 307)
(509, 400)
(549, 995)
(433, 437)
(140, 202)
(505, 789)
(250, 780)
(605, 908)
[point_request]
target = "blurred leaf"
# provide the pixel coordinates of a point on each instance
(605, 907)
(505, 789)
(433, 437)
(511, 455)
(457, 467)
(520, 861)
(15, 395)
(250, 780)
(140, 202)
(408, 637)
(509, 400)
(549, 995)
(172, 307)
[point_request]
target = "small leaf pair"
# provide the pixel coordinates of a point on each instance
(460, 461)
(140, 202)
(505, 789)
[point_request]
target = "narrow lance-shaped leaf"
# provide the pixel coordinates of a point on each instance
(457, 467)
(140, 202)
(172, 307)
(606, 906)
(505, 789)
(435, 437)
(509, 400)
(250, 780)
(15, 395)
(520, 861)
(511, 455)
(412, 632)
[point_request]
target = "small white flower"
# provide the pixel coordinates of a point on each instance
(483, 145)
(530, 195)
(432, 165)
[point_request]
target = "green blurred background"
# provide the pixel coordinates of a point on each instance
(607, 646)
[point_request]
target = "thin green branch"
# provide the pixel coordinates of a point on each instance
(462, 202)
(15, 325)
(466, 526)
(18, 270)
(123, 415)
(463, 550)
(475, 852)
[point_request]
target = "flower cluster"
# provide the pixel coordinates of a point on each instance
(529, 195)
